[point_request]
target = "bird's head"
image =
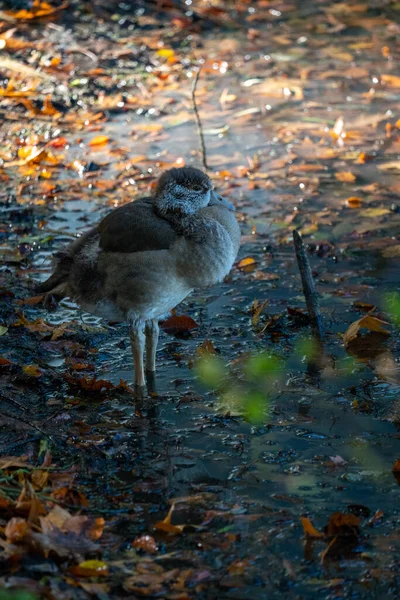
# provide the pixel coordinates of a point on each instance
(185, 190)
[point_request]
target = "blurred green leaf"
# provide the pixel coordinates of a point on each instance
(392, 306)
(256, 407)
(306, 349)
(211, 370)
(17, 595)
(261, 365)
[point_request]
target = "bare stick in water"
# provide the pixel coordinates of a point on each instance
(198, 120)
(307, 281)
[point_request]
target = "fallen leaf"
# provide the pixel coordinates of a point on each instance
(257, 309)
(146, 543)
(309, 529)
(246, 262)
(391, 80)
(392, 251)
(368, 322)
(179, 324)
(396, 466)
(375, 212)
(3, 329)
(353, 202)
(99, 140)
(32, 371)
(90, 568)
(39, 9)
(17, 529)
(345, 176)
(206, 348)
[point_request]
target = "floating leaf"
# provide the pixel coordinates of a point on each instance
(375, 212)
(309, 529)
(246, 262)
(179, 324)
(99, 140)
(146, 543)
(353, 202)
(345, 176)
(368, 322)
(90, 568)
(39, 9)
(32, 371)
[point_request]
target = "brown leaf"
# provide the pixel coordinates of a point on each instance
(396, 466)
(368, 322)
(146, 543)
(339, 523)
(179, 323)
(17, 529)
(257, 309)
(206, 348)
(309, 529)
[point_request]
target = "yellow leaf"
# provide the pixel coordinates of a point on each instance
(345, 176)
(392, 251)
(90, 568)
(99, 140)
(246, 262)
(32, 370)
(166, 53)
(375, 212)
(367, 322)
(309, 529)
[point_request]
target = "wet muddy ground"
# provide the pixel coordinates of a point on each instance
(300, 110)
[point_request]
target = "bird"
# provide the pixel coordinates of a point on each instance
(145, 257)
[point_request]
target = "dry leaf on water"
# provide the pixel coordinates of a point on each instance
(368, 322)
(309, 529)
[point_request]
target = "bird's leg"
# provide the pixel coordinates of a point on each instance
(138, 342)
(151, 330)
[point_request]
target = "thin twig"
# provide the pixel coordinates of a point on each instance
(198, 120)
(307, 281)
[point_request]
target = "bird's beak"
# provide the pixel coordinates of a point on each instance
(217, 200)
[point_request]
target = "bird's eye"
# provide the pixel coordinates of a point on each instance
(197, 188)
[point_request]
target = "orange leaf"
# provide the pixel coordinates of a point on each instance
(309, 529)
(345, 176)
(39, 9)
(396, 466)
(16, 529)
(99, 140)
(167, 526)
(246, 262)
(353, 202)
(4, 362)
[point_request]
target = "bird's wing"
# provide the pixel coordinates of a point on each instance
(135, 227)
